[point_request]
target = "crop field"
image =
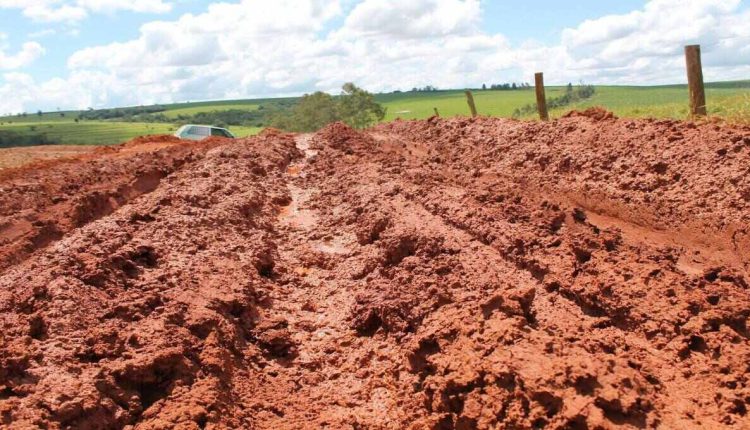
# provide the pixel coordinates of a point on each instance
(90, 132)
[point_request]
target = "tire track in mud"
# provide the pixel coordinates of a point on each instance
(619, 322)
(148, 321)
(312, 305)
(75, 193)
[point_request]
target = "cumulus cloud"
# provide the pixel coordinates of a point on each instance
(257, 48)
(19, 92)
(29, 52)
(414, 19)
(651, 40)
(73, 11)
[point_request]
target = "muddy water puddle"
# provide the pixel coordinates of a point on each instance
(295, 215)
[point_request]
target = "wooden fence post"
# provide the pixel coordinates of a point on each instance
(470, 100)
(541, 98)
(695, 80)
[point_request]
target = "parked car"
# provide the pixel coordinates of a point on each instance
(200, 132)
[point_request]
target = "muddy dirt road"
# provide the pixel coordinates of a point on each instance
(589, 273)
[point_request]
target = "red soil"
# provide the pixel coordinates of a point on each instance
(590, 272)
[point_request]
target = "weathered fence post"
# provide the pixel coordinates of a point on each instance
(695, 80)
(541, 98)
(436, 112)
(470, 100)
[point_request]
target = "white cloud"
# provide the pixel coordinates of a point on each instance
(257, 48)
(646, 46)
(29, 52)
(42, 33)
(73, 11)
(20, 92)
(414, 19)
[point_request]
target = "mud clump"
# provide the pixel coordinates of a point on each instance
(595, 113)
(342, 137)
(586, 273)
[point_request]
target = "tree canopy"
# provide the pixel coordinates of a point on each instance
(355, 107)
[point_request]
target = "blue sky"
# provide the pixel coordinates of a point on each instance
(79, 53)
(544, 20)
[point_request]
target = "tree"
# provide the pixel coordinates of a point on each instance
(354, 106)
(484, 86)
(312, 112)
(358, 107)
(39, 113)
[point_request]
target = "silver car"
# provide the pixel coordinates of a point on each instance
(200, 132)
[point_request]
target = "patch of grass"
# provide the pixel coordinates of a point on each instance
(242, 131)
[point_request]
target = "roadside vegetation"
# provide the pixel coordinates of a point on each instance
(355, 107)
(572, 95)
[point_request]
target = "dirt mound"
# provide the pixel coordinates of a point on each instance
(597, 113)
(152, 139)
(44, 200)
(341, 136)
(443, 274)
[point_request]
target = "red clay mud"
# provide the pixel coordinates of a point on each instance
(587, 273)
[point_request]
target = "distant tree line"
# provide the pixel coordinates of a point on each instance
(119, 113)
(425, 89)
(508, 86)
(498, 87)
(572, 95)
(222, 118)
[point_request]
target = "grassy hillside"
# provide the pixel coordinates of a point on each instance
(730, 100)
(175, 113)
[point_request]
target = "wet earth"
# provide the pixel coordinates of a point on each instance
(587, 273)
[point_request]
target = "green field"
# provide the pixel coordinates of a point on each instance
(452, 103)
(102, 132)
(667, 102)
(729, 100)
